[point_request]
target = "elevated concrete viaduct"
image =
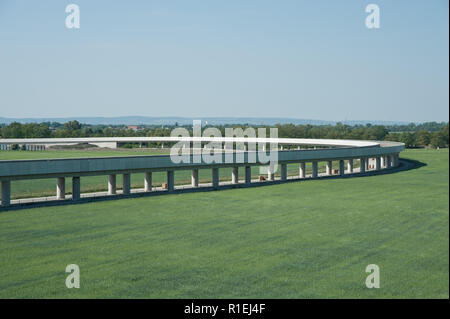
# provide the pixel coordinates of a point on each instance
(383, 154)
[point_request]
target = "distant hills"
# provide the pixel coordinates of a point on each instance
(146, 120)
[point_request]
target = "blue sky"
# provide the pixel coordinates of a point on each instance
(253, 58)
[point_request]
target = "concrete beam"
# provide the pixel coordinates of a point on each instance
(60, 188)
(126, 184)
(112, 185)
(148, 182)
(76, 188)
(6, 193)
(194, 177)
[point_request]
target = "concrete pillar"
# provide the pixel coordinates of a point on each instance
(329, 167)
(60, 188)
(6, 193)
(377, 163)
(395, 160)
(362, 165)
(367, 163)
(248, 174)
(271, 173)
(194, 177)
(170, 181)
(148, 182)
(126, 184)
(382, 161)
(315, 172)
(388, 161)
(215, 177)
(341, 167)
(235, 175)
(350, 166)
(112, 185)
(283, 172)
(302, 170)
(76, 188)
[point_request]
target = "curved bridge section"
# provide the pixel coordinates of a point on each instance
(370, 155)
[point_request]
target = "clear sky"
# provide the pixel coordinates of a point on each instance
(253, 58)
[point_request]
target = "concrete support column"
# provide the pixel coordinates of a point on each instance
(215, 177)
(341, 167)
(126, 184)
(271, 173)
(148, 182)
(235, 175)
(382, 162)
(6, 193)
(367, 163)
(302, 170)
(60, 188)
(388, 161)
(283, 172)
(329, 167)
(76, 188)
(194, 177)
(377, 163)
(350, 166)
(170, 181)
(395, 160)
(315, 171)
(248, 175)
(112, 185)
(362, 165)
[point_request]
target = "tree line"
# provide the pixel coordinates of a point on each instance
(429, 134)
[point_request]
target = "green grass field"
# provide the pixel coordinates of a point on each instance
(307, 239)
(47, 187)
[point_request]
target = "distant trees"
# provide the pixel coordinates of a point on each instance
(422, 135)
(29, 130)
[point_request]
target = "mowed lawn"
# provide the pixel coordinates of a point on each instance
(47, 187)
(307, 239)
